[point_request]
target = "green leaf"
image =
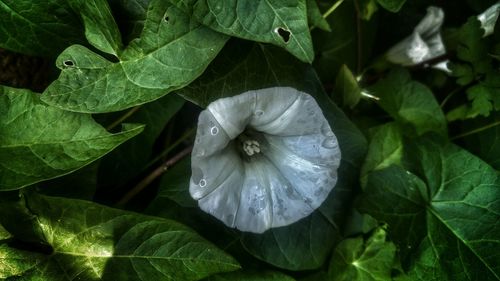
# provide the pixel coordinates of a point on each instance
(385, 149)
(100, 28)
(410, 103)
(38, 28)
(392, 5)
(442, 210)
(130, 16)
(486, 143)
(358, 259)
(347, 87)
(127, 161)
(307, 243)
(481, 100)
(39, 142)
(93, 242)
(472, 48)
(315, 17)
(279, 22)
(250, 276)
(168, 56)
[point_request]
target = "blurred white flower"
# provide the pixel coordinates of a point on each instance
(263, 159)
(489, 18)
(423, 44)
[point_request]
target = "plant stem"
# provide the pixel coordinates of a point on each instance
(449, 96)
(170, 148)
(153, 175)
(123, 117)
(475, 131)
(332, 8)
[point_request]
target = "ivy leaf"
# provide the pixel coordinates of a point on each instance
(485, 144)
(93, 242)
(307, 243)
(39, 142)
(280, 22)
(38, 28)
(171, 45)
(360, 259)
(410, 103)
(442, 208)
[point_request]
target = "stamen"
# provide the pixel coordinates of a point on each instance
(251, 147)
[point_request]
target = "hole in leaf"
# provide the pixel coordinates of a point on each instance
(68, 63)
(166, 18)
(283, 33)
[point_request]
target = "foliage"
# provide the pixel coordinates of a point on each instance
(94, 175)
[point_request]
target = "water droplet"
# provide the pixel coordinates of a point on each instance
(214, 130)
(202, 183)
(330, 143)
(258, 113)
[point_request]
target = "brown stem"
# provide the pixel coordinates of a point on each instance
(153, 175)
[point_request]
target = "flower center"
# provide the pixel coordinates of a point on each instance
(251, 147)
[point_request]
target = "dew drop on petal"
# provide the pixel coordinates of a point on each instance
(329, 142)
(258, 113)
(202, 183)
(214, 130)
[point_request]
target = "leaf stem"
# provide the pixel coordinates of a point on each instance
(153, 175)
(475, 131)
(449, 96)
(123, 117)
(332, 8)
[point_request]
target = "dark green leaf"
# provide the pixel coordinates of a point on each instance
(38, 28)
(385, 149)
(93, 242)
(410, 103)
(280, 22)
(128, 160)
(347, 87)
(174, 184)
(307, 243)
(80, 184)
(250, 276)
(168, 55)
(130, 16)
(315, 17)
(486, 143)
(392, 5)
(40, 142)
(350, 42)
(445, 212)
(358, 259)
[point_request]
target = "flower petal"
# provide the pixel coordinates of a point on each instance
(290, 177)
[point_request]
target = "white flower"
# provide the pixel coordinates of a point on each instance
(263, 159)
(423, 44)
(489, 18)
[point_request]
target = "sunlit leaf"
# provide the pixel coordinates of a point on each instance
(93, 242)
(40, 142)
